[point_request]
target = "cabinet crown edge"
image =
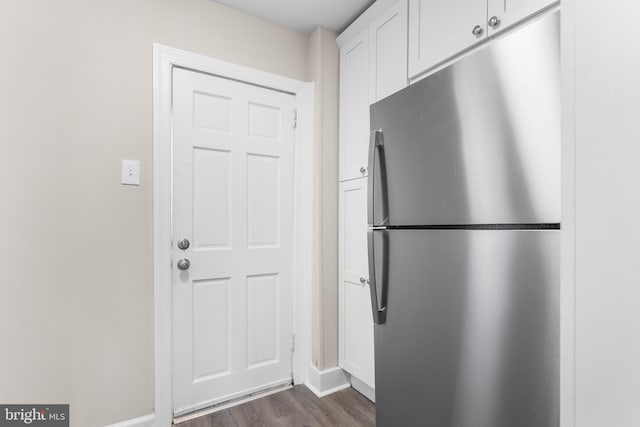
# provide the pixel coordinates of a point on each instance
(364, 20)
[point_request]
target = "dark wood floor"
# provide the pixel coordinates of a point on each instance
(298, 407)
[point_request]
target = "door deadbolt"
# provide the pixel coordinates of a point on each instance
(183, 244)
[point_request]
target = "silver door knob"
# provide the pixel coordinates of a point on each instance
(477, 31)
(183, 244)
(363, 169)
(363, 280)
(184, 264)
(494, 22)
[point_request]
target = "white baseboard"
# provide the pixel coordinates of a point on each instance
(146, 421)
(323, 383)
(364, 389)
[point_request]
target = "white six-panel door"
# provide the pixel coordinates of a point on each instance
(233, 200)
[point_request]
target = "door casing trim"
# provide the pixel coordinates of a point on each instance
(164, 60)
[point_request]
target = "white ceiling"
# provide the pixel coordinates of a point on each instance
(303, 15)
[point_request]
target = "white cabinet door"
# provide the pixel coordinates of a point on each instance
(509, 12)
(441, 29)
(356, 321)
(354, 107)
(388, 52)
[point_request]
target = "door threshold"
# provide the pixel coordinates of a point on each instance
(232, 402)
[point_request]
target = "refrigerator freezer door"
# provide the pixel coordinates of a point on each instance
(471, 337)
(478, 142)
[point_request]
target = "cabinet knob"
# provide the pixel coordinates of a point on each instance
(363, 280)
(477, 31)
(363, 169)
(494, 22)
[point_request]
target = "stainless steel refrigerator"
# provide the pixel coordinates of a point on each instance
(464, 240)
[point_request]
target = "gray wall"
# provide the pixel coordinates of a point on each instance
(601, 376)
(324, 58)
(76, 293)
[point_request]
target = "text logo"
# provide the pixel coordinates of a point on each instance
(34, 415)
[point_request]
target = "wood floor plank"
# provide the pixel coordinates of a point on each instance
(220, 419)
(298, 420)
(217, 419)
(296, 407)
(283, 404)
(249, 415)
(354, 407)
(320, 409)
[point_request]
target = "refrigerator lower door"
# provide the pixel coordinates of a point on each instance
(471, 337)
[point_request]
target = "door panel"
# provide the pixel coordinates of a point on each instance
(233, 199)
(211, 198)
(471, 337)
(478, 142)
(262, 319)
(211, 334)
(263, 175)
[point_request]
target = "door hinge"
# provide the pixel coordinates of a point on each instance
(295, 119)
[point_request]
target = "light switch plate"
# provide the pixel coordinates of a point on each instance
(130, 172)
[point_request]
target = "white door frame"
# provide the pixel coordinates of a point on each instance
(164, 59)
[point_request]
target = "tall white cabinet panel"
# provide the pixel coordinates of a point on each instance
(440, 29)
(388, 52)
(356, 351)
(373, 65)
(354, 107)
(504, 13)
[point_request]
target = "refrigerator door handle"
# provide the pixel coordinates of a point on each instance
(376, 145)
(379, 310)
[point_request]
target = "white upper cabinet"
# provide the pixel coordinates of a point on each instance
(440, 29)
(504, 13)
(373, 65)
(354, 106)
(388, 52)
